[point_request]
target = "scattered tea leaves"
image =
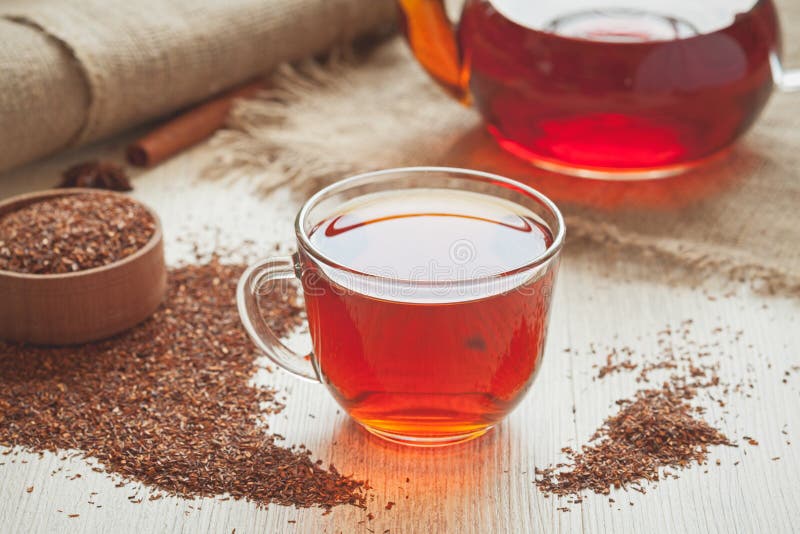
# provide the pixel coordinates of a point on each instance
(169, 403)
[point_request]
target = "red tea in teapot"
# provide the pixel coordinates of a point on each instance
(617, 88)
(611, 86)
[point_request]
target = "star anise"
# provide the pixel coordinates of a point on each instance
(97, 175)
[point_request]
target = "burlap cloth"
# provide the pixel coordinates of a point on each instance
(739, 217)
(77, 70)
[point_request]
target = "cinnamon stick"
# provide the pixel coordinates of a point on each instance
(187, 129)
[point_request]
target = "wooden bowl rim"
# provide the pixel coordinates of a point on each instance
(55, 193)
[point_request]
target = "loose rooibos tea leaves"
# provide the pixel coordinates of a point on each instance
(170, 402)
(656, 428)
(73, 233)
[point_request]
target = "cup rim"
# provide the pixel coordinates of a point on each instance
(550, 252)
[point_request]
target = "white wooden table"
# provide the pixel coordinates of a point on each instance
(485, 485)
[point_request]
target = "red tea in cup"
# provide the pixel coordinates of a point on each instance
(410, 361)
(427, 292)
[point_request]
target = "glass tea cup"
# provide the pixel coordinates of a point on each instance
(427, 292)
(613, 89)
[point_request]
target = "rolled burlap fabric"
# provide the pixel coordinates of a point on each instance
(78, 70)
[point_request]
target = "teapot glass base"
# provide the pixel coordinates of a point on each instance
(427, 441)
(603, 173)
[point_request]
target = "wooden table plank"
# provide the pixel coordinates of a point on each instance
(485, 485)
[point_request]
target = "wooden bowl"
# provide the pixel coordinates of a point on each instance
(71, 308)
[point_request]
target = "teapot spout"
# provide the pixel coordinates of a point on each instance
(433, 40)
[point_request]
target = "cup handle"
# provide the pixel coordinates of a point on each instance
(787, 81)
(251, 285)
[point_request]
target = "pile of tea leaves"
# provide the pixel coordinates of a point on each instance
(657, 428)
(170, 403)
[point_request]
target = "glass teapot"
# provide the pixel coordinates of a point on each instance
(606, 88)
